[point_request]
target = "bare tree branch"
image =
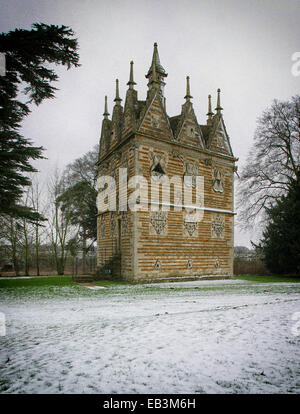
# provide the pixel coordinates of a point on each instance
(273, 161)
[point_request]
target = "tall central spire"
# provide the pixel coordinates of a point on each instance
(156, 72)
(156, 62)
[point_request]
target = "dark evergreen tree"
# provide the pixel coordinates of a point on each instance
(281, 239)
(28, 76)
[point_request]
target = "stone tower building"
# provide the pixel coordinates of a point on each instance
(160, 242)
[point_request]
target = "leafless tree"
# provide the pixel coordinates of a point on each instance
(18, 233)
(37, 200)
(273, 160)
(60, 228)
(27, 233)
(83, 168)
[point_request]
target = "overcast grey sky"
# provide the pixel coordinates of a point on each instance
(243, 47)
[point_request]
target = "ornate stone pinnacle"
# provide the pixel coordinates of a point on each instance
(117, 98)
(154, 74)
(156, 62)
(188, 92)
(131, 81)
(219, 108)
(105, 114)
(210, 112)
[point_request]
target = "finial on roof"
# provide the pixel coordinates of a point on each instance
(210, 112)
(117, 98)
(156, 62)
(131, 81)
(105, 114)
(188, 95)
(155, 59)
(219, 108)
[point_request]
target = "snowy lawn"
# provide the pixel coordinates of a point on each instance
(230, 336)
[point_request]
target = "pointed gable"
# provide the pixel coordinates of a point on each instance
(117, 120)
(218, 140)
(154, 120)
(149, 117)
(105, 137)
(188, 130)
(129, 119)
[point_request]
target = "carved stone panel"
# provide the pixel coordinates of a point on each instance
(218, 180)
(176, 154)
(155, 121)
(190, 173)
(158, 222)
(208, 162)
(190, 228)
(218, 226)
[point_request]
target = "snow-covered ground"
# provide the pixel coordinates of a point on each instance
(189, 337)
